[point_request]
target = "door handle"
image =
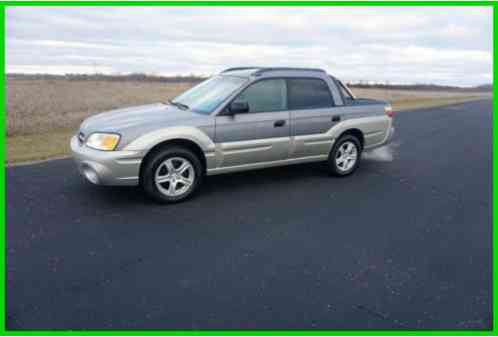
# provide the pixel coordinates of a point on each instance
(336, 118)
(279, 123)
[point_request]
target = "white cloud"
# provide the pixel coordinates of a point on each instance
(60, 69)
(70, 44)
(447, 45)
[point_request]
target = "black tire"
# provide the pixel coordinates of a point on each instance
(336, 169)
(148, 173)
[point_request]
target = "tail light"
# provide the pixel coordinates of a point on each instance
(389, 111)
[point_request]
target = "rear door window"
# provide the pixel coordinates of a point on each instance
(308, 93)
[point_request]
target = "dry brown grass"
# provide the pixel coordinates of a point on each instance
(37, 106)
(42, 114)
(399, 94)
(410, 99)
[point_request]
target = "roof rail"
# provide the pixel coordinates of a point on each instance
(239, 68)
(264, 70)
(261, 70)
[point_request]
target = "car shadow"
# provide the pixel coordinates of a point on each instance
(267, 178)
(211, 184)
(264, 177)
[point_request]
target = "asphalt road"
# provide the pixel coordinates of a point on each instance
(402, 244)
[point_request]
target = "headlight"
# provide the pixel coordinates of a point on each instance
(103, 141)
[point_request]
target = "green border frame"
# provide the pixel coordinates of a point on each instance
(196, 3)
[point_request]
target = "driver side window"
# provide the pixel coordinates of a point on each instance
(265, 96)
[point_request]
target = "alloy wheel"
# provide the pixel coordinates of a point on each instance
(346, 156)
(174, 176)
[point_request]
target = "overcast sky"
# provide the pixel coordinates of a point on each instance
(444, 45)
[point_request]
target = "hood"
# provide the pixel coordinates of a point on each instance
(151, 114)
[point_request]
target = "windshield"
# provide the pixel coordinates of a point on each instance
(205, 97)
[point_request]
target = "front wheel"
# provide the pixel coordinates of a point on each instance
(171, 175)
(344, 157)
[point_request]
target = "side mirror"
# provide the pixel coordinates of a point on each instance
(238, 107)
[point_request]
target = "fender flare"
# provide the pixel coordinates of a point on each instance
(151, 139)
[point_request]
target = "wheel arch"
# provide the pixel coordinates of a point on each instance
(180, 142)
(354, 132)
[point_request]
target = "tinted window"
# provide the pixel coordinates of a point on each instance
(308, 93)
(346, 93)
(265, 96)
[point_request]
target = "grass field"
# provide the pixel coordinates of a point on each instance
(43, 114)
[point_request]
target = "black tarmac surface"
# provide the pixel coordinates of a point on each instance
(401, 244)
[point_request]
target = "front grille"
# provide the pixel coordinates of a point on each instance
(81, 138)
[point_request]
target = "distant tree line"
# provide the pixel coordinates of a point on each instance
(101, 77)
(195, 78)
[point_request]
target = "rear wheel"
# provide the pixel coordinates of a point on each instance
(344, 157)
(171, 175)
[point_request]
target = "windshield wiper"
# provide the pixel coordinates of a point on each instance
(178, 104)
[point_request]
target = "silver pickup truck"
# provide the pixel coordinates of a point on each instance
(244, 118)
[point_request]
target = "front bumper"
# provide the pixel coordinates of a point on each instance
(107, 167)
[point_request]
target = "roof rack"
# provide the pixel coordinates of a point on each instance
(239, 68)
(264, 70)
(261, 70)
